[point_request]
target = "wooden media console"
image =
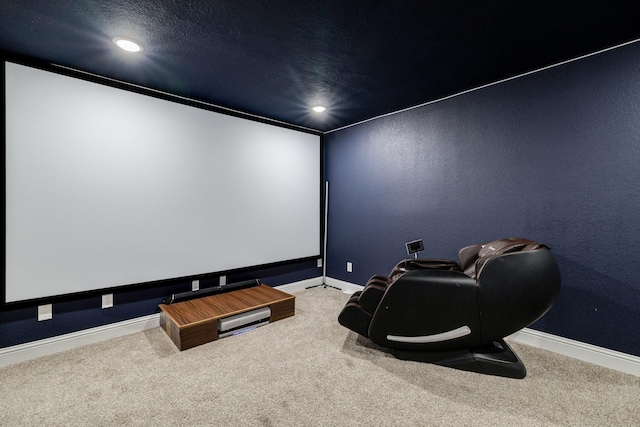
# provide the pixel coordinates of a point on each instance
(194, 322)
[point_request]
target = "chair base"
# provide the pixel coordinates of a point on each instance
(496, 358)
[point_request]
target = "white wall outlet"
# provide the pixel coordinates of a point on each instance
(319, 262)
(223, 280)
(349, 267)
(195, 285)
(107, 301)
(45, 312)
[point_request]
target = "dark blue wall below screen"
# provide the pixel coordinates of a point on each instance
(553, 156)
(19, 324)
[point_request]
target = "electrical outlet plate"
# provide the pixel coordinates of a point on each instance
(349, 267)
(107, 301)
(45, 312)
(223, 280)
(319, 262)
(195, 285)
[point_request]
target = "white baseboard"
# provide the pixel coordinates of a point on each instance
(301, 285)
(346, 287)
(31, 350)
(600, 356)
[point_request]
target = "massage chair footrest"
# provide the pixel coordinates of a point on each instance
(496, 358)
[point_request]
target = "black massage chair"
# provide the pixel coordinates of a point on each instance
(456, 314)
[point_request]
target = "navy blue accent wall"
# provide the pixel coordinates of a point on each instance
(553, 156)
(19, 324)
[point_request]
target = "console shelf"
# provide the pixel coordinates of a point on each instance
(195, 322)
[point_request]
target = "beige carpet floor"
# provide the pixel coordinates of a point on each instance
(306, 370)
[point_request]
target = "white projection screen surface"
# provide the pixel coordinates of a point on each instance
(107, 187)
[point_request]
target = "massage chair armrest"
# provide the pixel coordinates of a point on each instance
(428, 309)
(432, 264)
(425, 264)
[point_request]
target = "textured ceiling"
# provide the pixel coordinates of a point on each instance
(277, 58)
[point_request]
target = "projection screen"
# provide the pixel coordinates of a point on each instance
(107, 187)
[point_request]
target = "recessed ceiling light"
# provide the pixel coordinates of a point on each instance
(318, 108)
(128, 44)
